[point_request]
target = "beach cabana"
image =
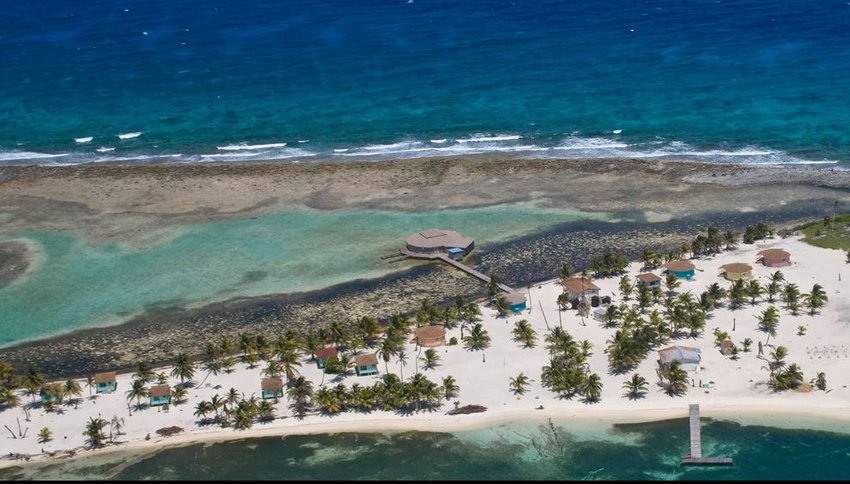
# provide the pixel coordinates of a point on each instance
(430, 336)
(105, 382)
(681, 268)
(649, 280)
(737, 270)
(366, 364)
(516, 301)
(322, 355)
(689, 358)
(774, 258)
(271, 387)
(47, 393)
(159, 395)
(578, 287)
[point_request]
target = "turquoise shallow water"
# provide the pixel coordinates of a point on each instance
(577, 450)
(75, 284)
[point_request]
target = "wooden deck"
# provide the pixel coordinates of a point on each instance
(448, 260)
(695, 458)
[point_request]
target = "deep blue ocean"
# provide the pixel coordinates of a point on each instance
(740, 81)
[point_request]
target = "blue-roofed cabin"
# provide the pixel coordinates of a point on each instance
(105, 382)
(516, 301)
(159, 395)
(272, 387)
(456, 253)
(366, 364)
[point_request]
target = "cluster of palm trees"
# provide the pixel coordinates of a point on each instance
(234, 410)
(782, 376)
(674, 378)
(144, 375)
(568, 372)
(34, 382)
(390, 393)
(609, 263)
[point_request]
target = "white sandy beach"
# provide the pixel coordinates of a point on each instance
(738, 387)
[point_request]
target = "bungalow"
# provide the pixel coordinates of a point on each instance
(105, 382)
(578, 287)
(516, 301)
(271, 387)
(49, 393)
(775, 258)
(681, 268)
(649, 280)
(366, 364)
(737, 270)
(322, 355)
(430, 336)
(159, 395)
(600, 314)
(690, 358)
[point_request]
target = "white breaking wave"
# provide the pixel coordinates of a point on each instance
(243, 146)
(439, 141)
(485, 139)
(104, 149)
(28, 155)
(130, 135)
(82, 141)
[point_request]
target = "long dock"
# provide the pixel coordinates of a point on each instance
(465, 268)
(695, 457)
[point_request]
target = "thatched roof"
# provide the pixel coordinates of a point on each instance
(430, 332)
(648, 277)
(514, 298)
(366, 360)
(774, 254)
(106, 377)
(679, 266)
(737, 267)
(577, 285)
(324, 353)
(159, 390)
(271, 384)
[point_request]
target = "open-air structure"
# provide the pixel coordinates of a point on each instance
(774, 258)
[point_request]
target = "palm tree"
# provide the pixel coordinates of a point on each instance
(778, 355)
(791, 297)
(178, 394)
(300, 393)
(716, 293)
(493, 285)
(328, 401)
(183, 368)
(144, 372)
(31, 381)
(137, 391)
(94, 431)
(402, 361)
(203, 408)
(524, 333)
(754, 290)
(747, 343)
(737, 294)
(671, 282)
(265, 411)
(431, 359)
(212, 361)
(477, 339)
(90, 384)
(677, 378)
(519, 384)
(501, 305)
(44, 435)
(388, 349)
(769, 322)
(731, 239)
(8, 398)
(273, 368)
(450, 387)
(591, 387)
(626, 287)
(289, 362)
(311, 344)
(636, 386)
(72, 389)
(815, 299)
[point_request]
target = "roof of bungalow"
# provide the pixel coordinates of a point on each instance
(737, 267)
(271, 384)
(437, 239)
(323, 353)
(648, 277)
(679, 266)
(159, 391)
(679, 353)
(366, 360)
(577, 285)
(429, 332)
(774, 253)
(515, 298)
(105, 377)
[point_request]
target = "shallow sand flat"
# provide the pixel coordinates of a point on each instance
(739, 388)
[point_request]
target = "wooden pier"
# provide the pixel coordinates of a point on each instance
(448, 260)
(695, 458)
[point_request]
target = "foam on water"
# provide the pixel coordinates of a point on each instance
(244, 146)
(82, 141)
(132, 135)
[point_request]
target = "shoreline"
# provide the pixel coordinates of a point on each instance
(750, 413)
